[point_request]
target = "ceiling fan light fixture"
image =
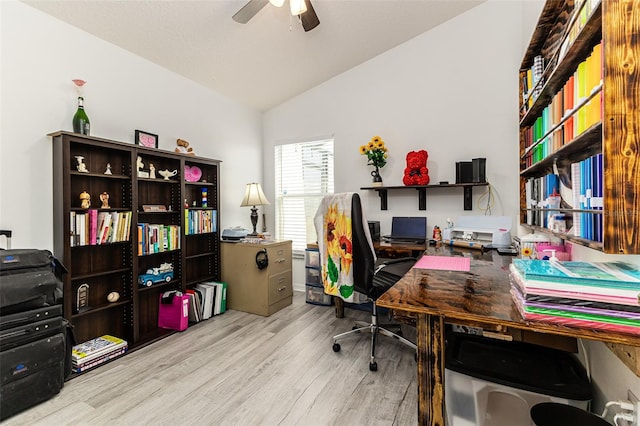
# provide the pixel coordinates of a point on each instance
(277, 3)
(298, 7)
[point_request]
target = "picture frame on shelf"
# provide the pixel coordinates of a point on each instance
(149, 208)
(146, 139)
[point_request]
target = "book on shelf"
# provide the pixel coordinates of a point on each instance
(95, 348)
(208, 292)
(194, 306)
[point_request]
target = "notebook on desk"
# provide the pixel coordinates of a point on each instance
(407, 230)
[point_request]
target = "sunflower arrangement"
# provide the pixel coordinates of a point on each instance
(376, 152)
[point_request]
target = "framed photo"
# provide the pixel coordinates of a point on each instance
(146, 139)
(151, 208)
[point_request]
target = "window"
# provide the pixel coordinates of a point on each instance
(304, 174)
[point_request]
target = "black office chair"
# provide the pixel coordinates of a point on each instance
(369, 280)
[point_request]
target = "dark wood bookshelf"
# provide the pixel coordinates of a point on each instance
(615, 23)
(116, 266)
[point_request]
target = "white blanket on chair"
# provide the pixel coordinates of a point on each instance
(333, 227)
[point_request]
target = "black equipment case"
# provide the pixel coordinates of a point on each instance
(33, 333)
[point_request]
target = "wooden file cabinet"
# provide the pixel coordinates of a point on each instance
(254, 290)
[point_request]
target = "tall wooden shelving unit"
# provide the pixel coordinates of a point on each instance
(616, 136)
(115, 266)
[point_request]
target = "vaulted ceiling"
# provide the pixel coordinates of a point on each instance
(266, 61)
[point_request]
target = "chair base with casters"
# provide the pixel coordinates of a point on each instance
(375, 329)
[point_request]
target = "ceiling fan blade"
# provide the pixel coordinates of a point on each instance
(309, 18)
(249, 10)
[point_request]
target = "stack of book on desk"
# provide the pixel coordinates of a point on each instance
(598, 295)
(96, 351)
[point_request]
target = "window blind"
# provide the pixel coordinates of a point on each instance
(304, 174)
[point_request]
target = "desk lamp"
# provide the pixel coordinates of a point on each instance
(253, 196)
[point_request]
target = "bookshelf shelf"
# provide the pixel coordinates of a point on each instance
(116, 266)
(103, 307)
(585, 154)
(422, 193)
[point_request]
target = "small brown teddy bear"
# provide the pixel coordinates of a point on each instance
(183, 147)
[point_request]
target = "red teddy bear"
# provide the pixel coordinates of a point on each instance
(416, 172)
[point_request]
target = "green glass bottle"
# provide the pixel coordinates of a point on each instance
(80, 120)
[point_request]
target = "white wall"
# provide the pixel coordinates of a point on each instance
(454, 92)
(451, 91)
(40, 57)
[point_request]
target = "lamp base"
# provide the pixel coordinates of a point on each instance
(254, 221)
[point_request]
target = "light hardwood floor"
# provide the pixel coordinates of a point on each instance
(244, 369)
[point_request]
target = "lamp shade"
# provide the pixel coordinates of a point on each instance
(277, 3)
(253, 196)
(297, 7)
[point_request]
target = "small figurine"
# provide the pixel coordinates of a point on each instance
(152, 171)
(186, 204)
(85, 200)
(437, 234)
(166, 174)
(108, 171)
(104, 197)
(139, 167)
(82, 167)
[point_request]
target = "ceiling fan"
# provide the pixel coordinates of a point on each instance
(301, 8)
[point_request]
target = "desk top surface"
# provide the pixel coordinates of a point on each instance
(480, 296)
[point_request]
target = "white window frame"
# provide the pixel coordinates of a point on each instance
(298, 199)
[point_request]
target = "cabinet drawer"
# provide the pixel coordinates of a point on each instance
(279, 258)
(280, 287)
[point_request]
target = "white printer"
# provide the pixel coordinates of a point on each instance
(489, 231)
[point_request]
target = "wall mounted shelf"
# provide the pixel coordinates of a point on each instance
(422, 193)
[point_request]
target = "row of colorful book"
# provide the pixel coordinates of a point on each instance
(200, 221)
(91, 227)
(588, 190)
(206, 300)
(575, 108)
(598, 295)
(532, 79)
(96, 351)
(156, 238)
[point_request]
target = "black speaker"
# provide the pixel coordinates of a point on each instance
(464, 172)
(479, 170)
(374, 230)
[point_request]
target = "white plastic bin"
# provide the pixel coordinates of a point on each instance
(497, 383)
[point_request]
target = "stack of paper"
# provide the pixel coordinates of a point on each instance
(599, 295)
(96, 351)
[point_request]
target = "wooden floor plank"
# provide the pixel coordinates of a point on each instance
(244, 369)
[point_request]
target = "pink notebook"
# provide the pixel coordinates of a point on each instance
(444, 263)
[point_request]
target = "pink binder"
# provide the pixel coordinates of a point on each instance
(174, 315)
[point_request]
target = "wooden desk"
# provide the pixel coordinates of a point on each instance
(479, 298)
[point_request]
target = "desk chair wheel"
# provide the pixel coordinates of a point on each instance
(373, 366)
(336, 347)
